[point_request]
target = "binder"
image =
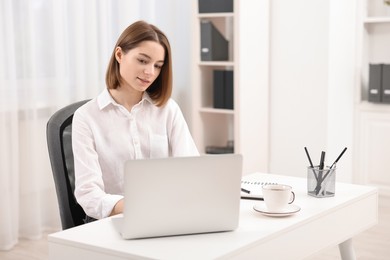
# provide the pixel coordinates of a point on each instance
(215, 6)
(218, 89)
(229, 90)
(375, 83)
(223, 89)
(386, 83)
(213, 45)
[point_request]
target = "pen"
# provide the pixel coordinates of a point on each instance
(308, 157)
(322, 160)
(321, 167)
(311, 163)
(246, 191)
(250, 197)
(338, 158)
(333, 164)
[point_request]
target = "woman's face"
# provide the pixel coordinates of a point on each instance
(140, 66)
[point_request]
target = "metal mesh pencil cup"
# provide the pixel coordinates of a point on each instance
(321, 183)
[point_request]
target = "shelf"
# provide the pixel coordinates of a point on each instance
(215, 15)
(374, 20)
(374, 107)
(216, 110)
(216, 63)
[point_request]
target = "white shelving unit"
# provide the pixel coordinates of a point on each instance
(247, 30)
(373, 119)
(374, 41)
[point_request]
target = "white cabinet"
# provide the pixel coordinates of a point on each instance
(374, 146)
(247, 30)
(372, 119)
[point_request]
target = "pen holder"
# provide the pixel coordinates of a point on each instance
(321, 183)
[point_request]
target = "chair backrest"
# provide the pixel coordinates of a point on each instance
(59, 142)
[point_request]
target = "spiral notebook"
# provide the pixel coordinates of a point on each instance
(252, 189)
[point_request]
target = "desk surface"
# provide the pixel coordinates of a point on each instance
(322, 222)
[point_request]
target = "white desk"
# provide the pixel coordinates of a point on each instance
(320, 223)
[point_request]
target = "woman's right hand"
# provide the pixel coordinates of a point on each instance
(118, 208)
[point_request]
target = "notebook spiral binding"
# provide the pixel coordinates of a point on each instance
(257, 183)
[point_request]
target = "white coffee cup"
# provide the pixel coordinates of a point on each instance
(277, 196)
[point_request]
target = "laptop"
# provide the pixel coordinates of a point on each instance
(181, 195)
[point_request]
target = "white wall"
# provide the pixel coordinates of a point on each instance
(311, 83)
(342, 82)
(312, 73)
(174, 18)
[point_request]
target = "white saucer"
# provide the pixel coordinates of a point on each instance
(289, 210)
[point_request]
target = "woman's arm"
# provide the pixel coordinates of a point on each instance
(118, 208)
(89, 186)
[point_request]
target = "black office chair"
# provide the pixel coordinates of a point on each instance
(59, 142)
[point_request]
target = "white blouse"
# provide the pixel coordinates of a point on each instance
(105, 135)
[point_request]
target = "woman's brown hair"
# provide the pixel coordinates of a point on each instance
(161, 89)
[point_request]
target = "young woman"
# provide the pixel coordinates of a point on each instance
(133, 118)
